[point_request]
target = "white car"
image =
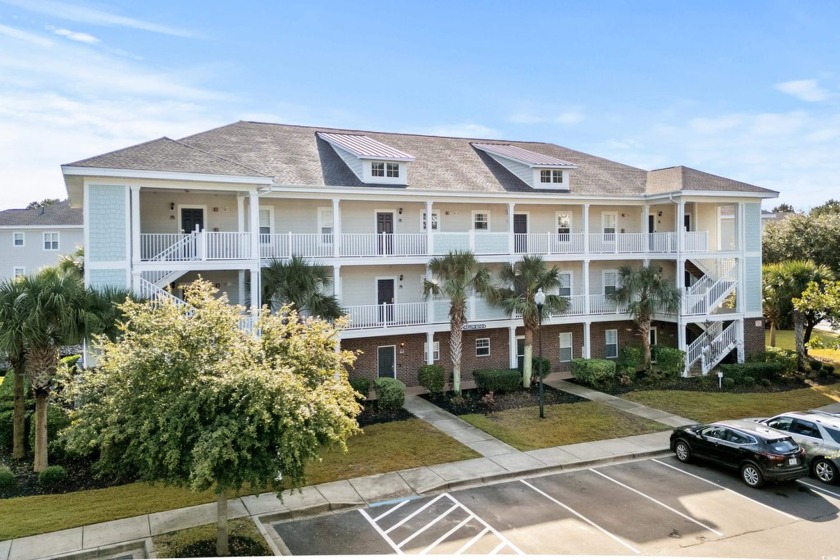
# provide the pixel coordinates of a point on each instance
(819, 434)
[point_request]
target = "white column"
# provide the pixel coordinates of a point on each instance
(586, 287)
(512, 346)
(254, 218)
(740, 327)
(430, 336)
(240, 213)
(241, 280)
(255, 289)
(135, 282)
(587, 339)
(430, 302)
(429, 236)
(645, 212)
(336, 228)
(680, 226)
(511, 239)
(681, 280)
(586, 228)
(135, 223)
(337, 282)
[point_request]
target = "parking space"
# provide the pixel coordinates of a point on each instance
(649, 507)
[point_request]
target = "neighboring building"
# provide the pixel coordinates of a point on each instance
(31, 239)
(377, 206)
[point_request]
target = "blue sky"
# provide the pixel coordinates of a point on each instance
(748, 90)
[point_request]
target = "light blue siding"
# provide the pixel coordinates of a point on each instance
(752, 227)
(354, 163)
(102, 278)
(107, 222)
(753, 288)
(519, 169)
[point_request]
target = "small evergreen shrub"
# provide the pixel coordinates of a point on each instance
(747, 381)
(670, 361)
(498, 380)
(756, 370)
(775, 355)
(360, 385)
(594, 372)
(630, 360)
(52, 478)
(432, 377)
(765, 382)
(728, 382)
(816, 365)
(828, 369)
(540, 367)
(7, 478)
(390, 393)
(7, 427)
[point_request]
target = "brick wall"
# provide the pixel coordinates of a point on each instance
(753, 336)
(409, 355)
(499, 352)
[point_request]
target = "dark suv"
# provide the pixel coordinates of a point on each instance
(760, 453)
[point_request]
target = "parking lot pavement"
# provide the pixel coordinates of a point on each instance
(650, 507)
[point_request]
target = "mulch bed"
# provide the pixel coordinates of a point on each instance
(372, 415)
(79, 477)
(471, 403)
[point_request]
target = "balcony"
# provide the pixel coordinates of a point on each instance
(198, 245)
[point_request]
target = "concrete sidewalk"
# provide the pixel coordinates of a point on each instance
(131, 538)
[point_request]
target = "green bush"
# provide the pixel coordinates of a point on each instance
(816, 365)
(630, 360)
(7, 392)
(786, 358)
(52, 478)
(594, 372)
(756, 370)
(670, 361)
(747, 381)
(728, 382)
(390, 393)
(7, 478)
(498, 380)
(828, 369)
(432, 377)
(360, 385)
(765, 382)
(7, 427)
(57, 419)
(540, 371)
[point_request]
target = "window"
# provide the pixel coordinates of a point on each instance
(435, 350)
(18, 272)
(266, 218)
(435, 220)
(51, 241)
(17, 239)
(325, 225)
(566, 347)
(551, 176)
(564, 225)
(392, 169)
(611, 337)
(481, 220)
(565, 284)
(610, 281)
(482, 347)
(377, 168)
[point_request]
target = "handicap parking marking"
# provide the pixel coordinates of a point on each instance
(582, 517)
(657, 502)
(818, 488)
(455, 507)
(771, 508)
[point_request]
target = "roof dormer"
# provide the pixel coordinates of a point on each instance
(538, 171)
(370, 160)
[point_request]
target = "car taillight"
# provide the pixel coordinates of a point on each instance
(772, 456)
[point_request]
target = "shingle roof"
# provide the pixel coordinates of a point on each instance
(165, 154)
(522, 155)
(688, 179)
(362, 146)
(58, 214)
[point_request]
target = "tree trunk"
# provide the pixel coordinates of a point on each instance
(798, 328)
(772, 333)
(41, 459)
(809, 329)
(221, 524)
(455, 335)
(19, 421)
(644, 330)
(528, 359)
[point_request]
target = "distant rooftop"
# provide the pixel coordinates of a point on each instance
(58, 214)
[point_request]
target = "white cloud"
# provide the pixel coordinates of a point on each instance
(31, 38)
(552, 116)
(74, 35)
(806, 90)
(715, 125)
(82, 14)
(464, 130)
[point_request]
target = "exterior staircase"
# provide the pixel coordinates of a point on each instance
(152, 292)
(162, 278)
(709, 349)
(717, 283)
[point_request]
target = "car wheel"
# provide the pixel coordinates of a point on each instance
(751, 475)
(824, 470)
(683, 451)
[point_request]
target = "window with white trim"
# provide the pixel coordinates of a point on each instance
(435, 220)
(392, 169)
(266, 219)
(566, 347)
(551, 176)
(481, 220)
(377, 169)
(565, 289)
(435, 350)
(611, 348)
(18, 239)
(611, 283)
(50, 241)
(325, 225)
(18, 272)
(482, 347)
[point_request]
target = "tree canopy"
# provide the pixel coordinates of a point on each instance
(184, 396)
(814, 236)
(43, 203)
(301, 284)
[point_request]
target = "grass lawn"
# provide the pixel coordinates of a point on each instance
(710, 407)
(564, 424)
(244, 539)
(382, 448)
(784, 339)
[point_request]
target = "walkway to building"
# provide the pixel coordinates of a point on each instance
(126, 538)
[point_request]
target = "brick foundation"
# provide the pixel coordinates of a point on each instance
(753, 336)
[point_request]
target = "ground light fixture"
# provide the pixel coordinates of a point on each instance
(539, 299)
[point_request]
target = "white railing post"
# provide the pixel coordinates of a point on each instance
(200, 245)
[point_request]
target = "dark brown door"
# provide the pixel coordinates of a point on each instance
(385, 232)
(385, 299)
(520, 233)
(386, 361)
(192, 219)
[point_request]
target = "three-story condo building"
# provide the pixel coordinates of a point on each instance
(376, 207)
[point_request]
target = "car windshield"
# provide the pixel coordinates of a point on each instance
(835, 434)
(782, 445)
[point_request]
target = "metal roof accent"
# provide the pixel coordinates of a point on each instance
(364, 147)
(532, 159)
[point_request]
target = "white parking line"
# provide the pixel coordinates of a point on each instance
(427, 525)
(446, 535)
(382, 533)
(407, 518)
(393, 509)
(580, 516)
(818, 488)
(654, 500)
(789, 516)
(473, 540)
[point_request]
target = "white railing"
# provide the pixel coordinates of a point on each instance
(695, 241)
(167, 246)
(198, 245)
(385, 315)
(600, 305)
(224, 245)
(381, 244)
(715, 351)
(577, 306)
(720, 278)
(148, 291)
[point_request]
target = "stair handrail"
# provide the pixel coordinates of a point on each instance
(152, 292)
(181, 243)
(715, 351)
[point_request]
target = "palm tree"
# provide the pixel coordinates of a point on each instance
(12, 343)
(301, 284)
(774, 304)
(74, 261)
(455, 276)
(645, 292)
(519, 283)
(790, 279)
